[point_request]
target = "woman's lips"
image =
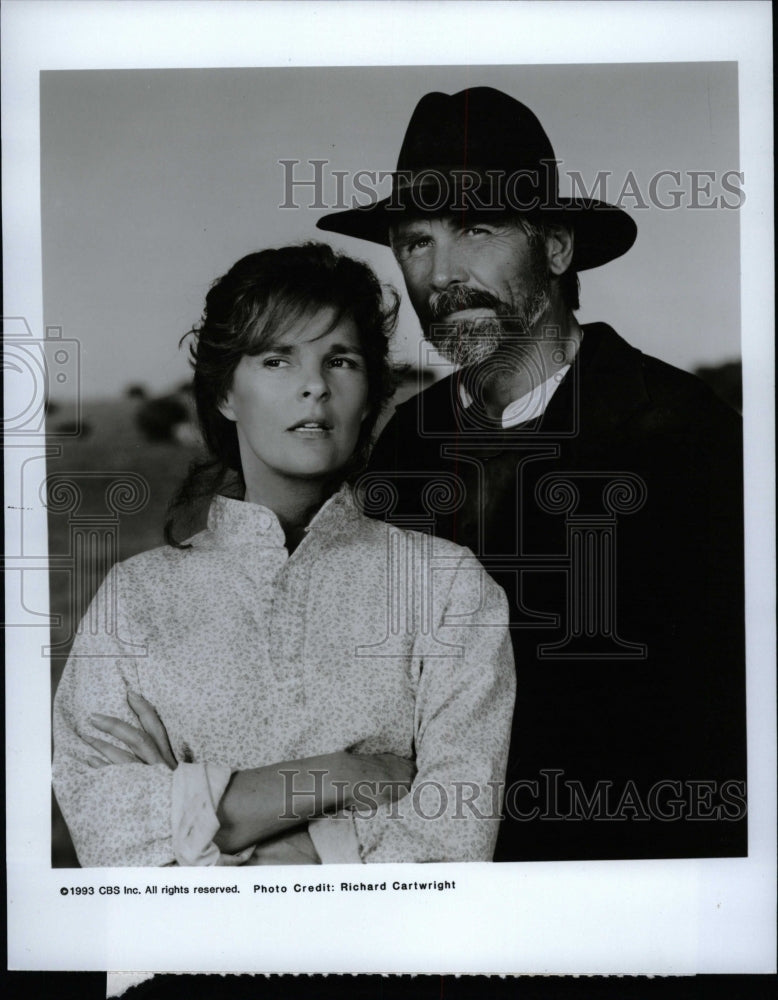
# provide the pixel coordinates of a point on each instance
(311, 428)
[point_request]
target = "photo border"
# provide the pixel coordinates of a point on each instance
(607, 916)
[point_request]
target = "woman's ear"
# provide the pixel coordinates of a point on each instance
(559, 248)
(226, 408)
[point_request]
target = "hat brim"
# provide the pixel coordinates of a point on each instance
(603, 232)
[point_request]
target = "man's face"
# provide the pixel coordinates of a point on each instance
(474, 283)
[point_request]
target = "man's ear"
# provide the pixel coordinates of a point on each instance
(559, 248)
(226, 409)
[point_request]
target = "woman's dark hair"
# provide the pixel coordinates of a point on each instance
(260, 297)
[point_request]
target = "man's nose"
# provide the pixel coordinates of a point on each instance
(448, 266)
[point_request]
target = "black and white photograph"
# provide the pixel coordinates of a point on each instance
(388, 476)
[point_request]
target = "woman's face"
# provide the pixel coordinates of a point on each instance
(299, 405)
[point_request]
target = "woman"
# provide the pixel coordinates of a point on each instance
(293, 628)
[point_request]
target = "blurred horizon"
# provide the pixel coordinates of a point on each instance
(708, 373)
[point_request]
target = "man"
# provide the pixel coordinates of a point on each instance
(602, 489)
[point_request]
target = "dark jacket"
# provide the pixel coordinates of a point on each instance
(615, 524)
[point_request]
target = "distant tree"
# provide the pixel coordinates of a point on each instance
(157, 418)
(135, 392)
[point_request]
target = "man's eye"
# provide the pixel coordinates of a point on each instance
(477, 231)
(417, 243)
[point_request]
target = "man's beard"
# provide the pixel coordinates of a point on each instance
(470, 341)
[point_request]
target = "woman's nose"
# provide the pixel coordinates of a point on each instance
(314, 386)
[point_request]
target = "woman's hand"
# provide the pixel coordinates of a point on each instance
(147, 745)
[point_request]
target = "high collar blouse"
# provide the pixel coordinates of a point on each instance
(366, 637)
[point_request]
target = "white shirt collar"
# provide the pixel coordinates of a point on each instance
(528, 406)
(239, 522)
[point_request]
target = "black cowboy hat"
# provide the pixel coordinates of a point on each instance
(483, 150)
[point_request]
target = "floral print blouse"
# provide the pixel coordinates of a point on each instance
(367, 638)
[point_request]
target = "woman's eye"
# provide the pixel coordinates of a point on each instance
(343, 361)
(274, 362)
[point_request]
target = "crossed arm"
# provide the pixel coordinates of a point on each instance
(129, 813)
(253, 809)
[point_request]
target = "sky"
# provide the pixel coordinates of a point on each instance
(153, 182)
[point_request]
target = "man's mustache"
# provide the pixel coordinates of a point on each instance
(460, 297)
